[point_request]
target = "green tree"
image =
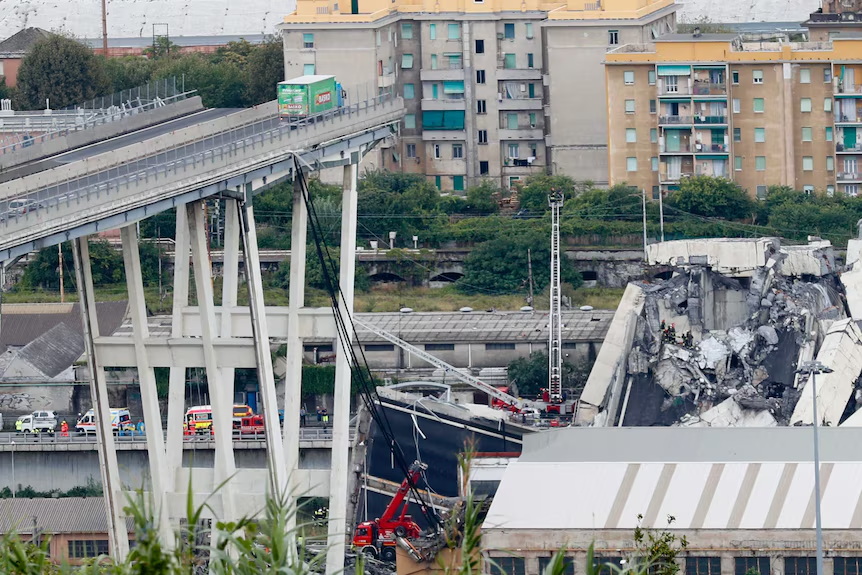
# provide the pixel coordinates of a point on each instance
(712, 197)
(42, 272)
(482, 199)
(659, 549)
(533, 195)
(530, 374)
(127, 72)
(499, 265)
(314, 271)
(61, 70)
(161, 48)
(218, 84)
(264, 69)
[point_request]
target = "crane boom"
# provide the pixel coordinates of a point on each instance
(555, 317)
(440, 364)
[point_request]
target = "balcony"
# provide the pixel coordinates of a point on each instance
(711, 120)
(386, 80)
(848, 89)
(441, 74)
(849, 176)
(711, 148)
(841, 118)
(429, 104)
(522, 167)
(444, 135)
(842, 149)
(681, 149)
(709, 89)
(664, 178)
(676, 120)
(521, 134)
(511, 104)
(519, 74)
(674, 90)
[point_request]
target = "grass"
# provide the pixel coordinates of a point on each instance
(382, 298)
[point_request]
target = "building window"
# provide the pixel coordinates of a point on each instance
(457, 151)
(631, 164)
(379, 347)
(454, 31)
(655, 194)
(411, 150)
(735, 76)
(308, 69)
(483, 136)
(743, 565)
(654, 164)
(829, 134)
(480, 46)
(409, 91)
(480, 76)
(651, 77)
(512, 121)
(737, 134)
(433, 91)
(407, 30)
(653, 135)
(808, 190)
(509, 31)
(481, 107)
(532, 119)
(630, 106)
(443, 347)
(613, 37)
(483, 168)
(804, 78)
(759, 135)
(531, 92)
(830, 163)
(514, 150)
(760, 166)
(631, 135)
(807, 164)
(703, 566)
(510, 61)
(830, 191)
(432, 31)
(758, 105)
(308, 40)
(406, 61)
(652, 106)
(458, 183)
(437, 151)
(507, 566)
(378, 38)
(603, 565)
(437, 182)
(528, 27)
(806, 134)
(851, 190)
(433, 61)
(79, 549)
(827, 75)
(827, 104)
(629, 77)
(568, 562)
(805, 104)
(529, 60)
(499, 346)
(757, 76)
(454, 61)
(410, 121)
(736, 105)
(737, 163)
(761, 195)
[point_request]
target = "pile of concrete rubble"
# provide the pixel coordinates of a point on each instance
(718, 342)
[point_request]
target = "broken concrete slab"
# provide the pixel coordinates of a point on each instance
(729, 413)
(814, 259)
(737, 257)
(768, 333)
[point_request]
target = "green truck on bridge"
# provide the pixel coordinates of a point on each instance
(308, 95)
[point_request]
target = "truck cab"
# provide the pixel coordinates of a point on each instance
(39, 421)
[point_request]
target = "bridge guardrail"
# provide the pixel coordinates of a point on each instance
(109, 178)
(73, 437)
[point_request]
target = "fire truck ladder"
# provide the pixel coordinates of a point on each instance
(439, 363)
(555, 355)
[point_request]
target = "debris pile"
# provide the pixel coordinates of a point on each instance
(718, 343)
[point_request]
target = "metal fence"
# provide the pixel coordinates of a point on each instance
(73, 437)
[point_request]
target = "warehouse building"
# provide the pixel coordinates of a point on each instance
(742, 497)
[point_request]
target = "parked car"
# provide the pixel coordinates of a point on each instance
(39, 421)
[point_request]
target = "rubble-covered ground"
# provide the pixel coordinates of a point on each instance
(719, 343)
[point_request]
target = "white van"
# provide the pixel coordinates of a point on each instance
(121, 422)
(44, 421)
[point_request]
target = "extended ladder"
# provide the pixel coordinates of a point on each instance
(555, 318)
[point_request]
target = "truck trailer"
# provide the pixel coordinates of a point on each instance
(308, 95)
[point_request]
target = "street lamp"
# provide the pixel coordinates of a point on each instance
(812, 368)
(13, 469)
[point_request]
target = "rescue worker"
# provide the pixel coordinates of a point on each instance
(18, 426)
(663, 326)
(325, 415)
(64, 429)
(141, 427)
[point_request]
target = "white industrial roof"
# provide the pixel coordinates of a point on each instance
(706, 478)
(747, 11)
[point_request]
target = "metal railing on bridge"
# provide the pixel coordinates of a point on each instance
(111, 180)
(57, 123)
(73, 437)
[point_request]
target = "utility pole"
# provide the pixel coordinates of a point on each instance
(530, 277)
(60, 262)
(104, 28)
(643, 199)
(661, 213)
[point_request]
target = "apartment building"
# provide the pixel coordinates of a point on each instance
(758, 113)
(494, 89)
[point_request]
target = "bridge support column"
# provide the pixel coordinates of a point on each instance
(177, 383)
(293, 368)
(263, 356)
(341, 408)
(110, 469)
(147, 382)
(225, 464)
(230, 280)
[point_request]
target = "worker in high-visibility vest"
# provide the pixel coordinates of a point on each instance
(18, 426)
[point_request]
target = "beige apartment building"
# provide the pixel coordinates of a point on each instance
(495, 89)
(758, 113)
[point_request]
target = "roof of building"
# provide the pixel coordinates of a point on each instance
(709, 478)
(55, 350)
(55, 515)
(23, 323)
(698, 38)
(22, 41)
(722, 11)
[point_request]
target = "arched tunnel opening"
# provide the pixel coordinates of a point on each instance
(385, 277)
(447, 277)
(590, 277)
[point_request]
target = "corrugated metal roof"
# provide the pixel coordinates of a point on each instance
(60, 515)
(23, 323)
(54, 351)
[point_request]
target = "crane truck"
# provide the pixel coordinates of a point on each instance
(378, 538)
